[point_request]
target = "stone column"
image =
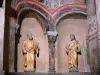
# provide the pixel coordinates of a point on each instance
(91, 7)
(85, 50)
(9, 39)
(92, 35)
(52, 36)
(2, 18)
(11, 44)
(98, 21)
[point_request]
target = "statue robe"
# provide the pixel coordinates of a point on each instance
(72, 50)
(30, 48)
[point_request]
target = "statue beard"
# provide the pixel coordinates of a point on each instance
(73, 39)
(31, 39)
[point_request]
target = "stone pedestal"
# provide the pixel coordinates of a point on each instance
(74, 70)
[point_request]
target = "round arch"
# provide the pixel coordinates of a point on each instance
(68, 13)
(31, 9)
(38, 16)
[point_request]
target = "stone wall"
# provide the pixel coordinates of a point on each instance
(92, 35)
(98, 22)
(78, 27)
(2, 17)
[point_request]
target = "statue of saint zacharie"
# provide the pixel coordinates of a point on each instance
(72, 50)
(30, 49)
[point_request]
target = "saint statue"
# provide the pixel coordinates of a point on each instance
(30, 48)
(72, 50)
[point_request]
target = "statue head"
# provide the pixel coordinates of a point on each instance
(29, 36)
(72, 37)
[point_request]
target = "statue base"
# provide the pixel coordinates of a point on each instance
(74, 69)
(29, 71)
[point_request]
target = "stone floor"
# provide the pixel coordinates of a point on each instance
(31, 73)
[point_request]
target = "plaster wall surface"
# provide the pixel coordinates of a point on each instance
(2, 16)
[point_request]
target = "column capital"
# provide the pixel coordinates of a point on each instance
(52, 36)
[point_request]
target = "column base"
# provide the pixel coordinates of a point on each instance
(11, 70)
(51, 70)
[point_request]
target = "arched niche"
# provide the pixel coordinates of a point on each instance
(29, 21)
(71, 24)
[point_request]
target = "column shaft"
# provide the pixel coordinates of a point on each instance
(11, 44)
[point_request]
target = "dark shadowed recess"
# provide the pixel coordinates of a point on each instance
(1, 2)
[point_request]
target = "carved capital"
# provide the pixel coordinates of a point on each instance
(52, 36)
(92, 21)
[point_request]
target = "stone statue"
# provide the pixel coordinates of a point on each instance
(30, 49)
(72, 50)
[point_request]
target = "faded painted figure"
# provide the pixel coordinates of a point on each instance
(72, 50)
(30, 48)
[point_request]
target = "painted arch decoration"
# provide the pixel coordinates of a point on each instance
(51, 15)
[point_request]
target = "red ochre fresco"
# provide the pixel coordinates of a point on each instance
(44, 7)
